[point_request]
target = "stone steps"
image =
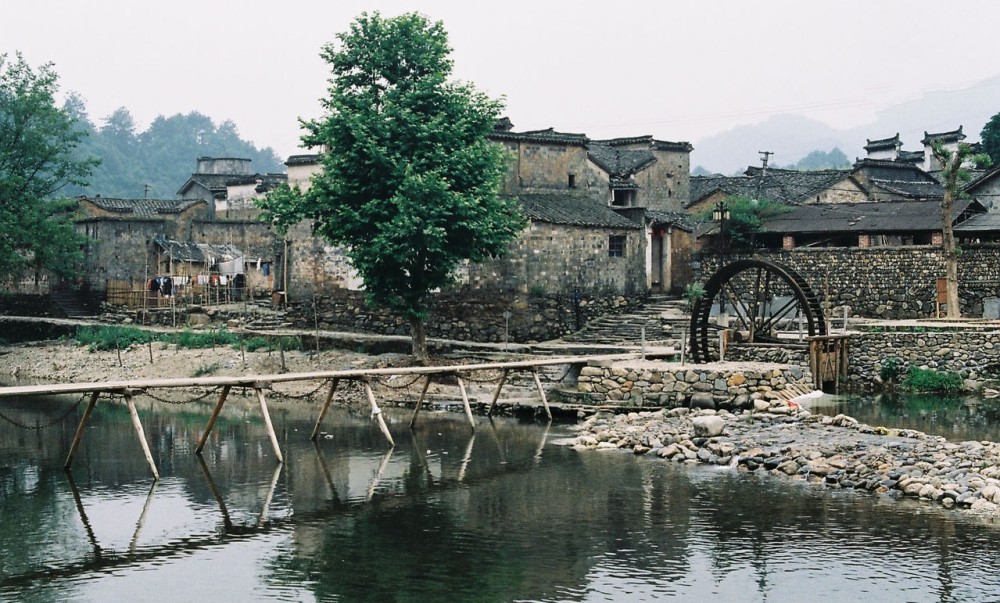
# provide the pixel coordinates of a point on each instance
(664, 320)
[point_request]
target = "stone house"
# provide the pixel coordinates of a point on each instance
(229, 185)
(131, 241)
(605, 217)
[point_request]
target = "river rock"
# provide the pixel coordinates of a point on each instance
(708, 426)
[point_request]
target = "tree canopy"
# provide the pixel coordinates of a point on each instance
(410, 183)
(38, 159)
(157, 161)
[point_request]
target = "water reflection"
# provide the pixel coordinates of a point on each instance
(498, 514)
(954, 417)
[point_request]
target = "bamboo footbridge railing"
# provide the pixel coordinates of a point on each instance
(260, 383)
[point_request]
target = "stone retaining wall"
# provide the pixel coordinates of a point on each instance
(672, 385)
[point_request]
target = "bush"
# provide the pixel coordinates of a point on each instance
(270, 344)
(112, 337)
(927, 380)
(891, 369)
(692, 293)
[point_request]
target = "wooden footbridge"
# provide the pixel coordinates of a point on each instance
(261, 383)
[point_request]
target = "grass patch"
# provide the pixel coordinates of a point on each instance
(197, 340)
(928, 380)
(112, 337)
(206, 369)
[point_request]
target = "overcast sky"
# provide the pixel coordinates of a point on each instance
(679, 71)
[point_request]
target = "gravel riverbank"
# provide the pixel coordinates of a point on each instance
(783, 439)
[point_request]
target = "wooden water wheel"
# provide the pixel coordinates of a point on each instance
(759, 302)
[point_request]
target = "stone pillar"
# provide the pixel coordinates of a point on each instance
(864, 240)
(788, 242)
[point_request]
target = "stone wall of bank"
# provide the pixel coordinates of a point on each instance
(887, 282)
(975, 355)
(724, 385)
(466, 316)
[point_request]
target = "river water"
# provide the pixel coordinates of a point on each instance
(503, 514)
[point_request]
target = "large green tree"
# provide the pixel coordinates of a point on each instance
(38, 143)
(990, 139)
(953, 175)
(410, 183)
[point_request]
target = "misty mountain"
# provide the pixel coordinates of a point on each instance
(792, 137)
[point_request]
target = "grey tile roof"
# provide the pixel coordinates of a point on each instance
(909, 188)
(547, 136)
(673, 218)
(910, 157)
(782, 186)
(143, 207)
(952, 136)
(885, 216)
(986, 222)
(883, 144)
(574, 210)
(302, 159)
(619, 163)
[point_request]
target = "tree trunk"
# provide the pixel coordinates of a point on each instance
(419, 343)
(950, 256)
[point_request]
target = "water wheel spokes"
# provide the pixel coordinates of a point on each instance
(760, 301)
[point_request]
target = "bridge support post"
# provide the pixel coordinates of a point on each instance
(267, 423)
(326, 406)
(420, 402)
(377, 413)
(541, 393)
(465, 402)
(141, 433)
(496, 393)
(81, 428)
(211, 420)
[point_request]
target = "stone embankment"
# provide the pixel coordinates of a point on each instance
(782, 439)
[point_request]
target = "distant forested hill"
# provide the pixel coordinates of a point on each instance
(156, 162)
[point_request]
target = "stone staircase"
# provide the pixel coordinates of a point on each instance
(69, 301)
(664, 318)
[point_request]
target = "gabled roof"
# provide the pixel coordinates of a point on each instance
(982, 179)
(873, 217)
(913, 157)
(573, 210)
(143, 207)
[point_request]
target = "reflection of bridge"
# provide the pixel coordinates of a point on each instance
(103, 559)
(260, 383)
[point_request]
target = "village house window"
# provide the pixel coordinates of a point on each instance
(622, 197)
(572, 180)
(616, 246)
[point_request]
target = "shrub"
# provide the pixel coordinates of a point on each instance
(927, 380)
(692, 293)
(206, 369)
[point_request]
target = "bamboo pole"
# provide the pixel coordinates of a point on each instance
(211, 420)
(377, 412)
(496, 393)
(81, 427)
(541, 393)
(267, 423)
(465, 402)
(420, 402)
(137, 424)
(322, 411)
